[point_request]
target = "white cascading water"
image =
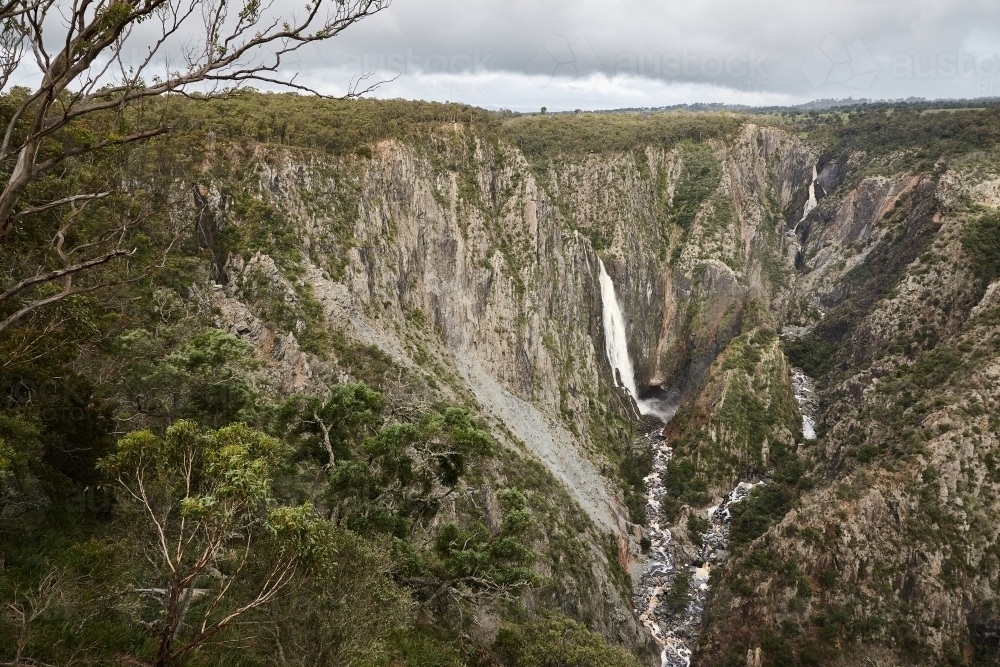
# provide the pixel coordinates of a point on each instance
(616, 347)
(812, 203)
(676, 630)
(805, 396)
(615, 341)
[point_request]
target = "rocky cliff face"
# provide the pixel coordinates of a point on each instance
(888, 559)
(475, 271)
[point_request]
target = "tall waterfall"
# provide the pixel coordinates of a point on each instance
(616, 347)
(812, 203)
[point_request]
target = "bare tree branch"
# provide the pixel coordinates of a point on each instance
(60, 273)
(53, 204)
(206, 46)
(326, 438)
(55, 298)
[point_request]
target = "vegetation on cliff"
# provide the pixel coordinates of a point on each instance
(201, 465)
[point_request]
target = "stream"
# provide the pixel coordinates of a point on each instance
(676, 630)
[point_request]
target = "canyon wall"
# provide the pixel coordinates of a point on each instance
(477, 269)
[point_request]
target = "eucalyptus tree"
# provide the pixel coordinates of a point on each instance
(96, 65)
(201, 509)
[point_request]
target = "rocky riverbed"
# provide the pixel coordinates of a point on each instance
(673, 620)
(676, 629)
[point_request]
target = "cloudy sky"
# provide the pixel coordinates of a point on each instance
(609, 54)
(588, 54)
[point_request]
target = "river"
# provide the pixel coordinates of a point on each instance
(676, 630)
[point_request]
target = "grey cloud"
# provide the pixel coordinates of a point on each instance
(789, 48)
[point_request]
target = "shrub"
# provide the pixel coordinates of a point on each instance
(697, 526)
(982, 242)
(755, 514)
(677, 596)
(556, 641)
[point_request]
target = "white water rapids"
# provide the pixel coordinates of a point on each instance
(805, 396)
(676, 631)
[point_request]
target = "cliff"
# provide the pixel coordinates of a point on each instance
(468, 256)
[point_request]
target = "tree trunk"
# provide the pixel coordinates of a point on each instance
(170, 622)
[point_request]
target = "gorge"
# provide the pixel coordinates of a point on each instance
(738, 374)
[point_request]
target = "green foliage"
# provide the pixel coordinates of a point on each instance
(19, 442)
(395, 478)
(556, 641)
(754, 515)
(53, 425)
(677, 596)
(912, 388)
(193, 491)
(812, 354)
(421, 647)
(348, 614)
(395, 489)
(257, 228)
(699, 179)
(635, 465)
(542, 138)
(776, 649)
(475, 556)
(981, 241)
(923, 138)
(683, 486)
(697, 526)
(209, 476)
(932, 368)
(72, 597)
(368, 363)
(744, 352)
(7, 458)
(206, 378)
(340, 127)
(745, 413)
(335, 427)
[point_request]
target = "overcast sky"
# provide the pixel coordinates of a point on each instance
(609, 54)
(588, 54)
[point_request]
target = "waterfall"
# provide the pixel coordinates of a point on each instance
(805, 396)
(616, 347)
(811, 204)
(615, 341)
